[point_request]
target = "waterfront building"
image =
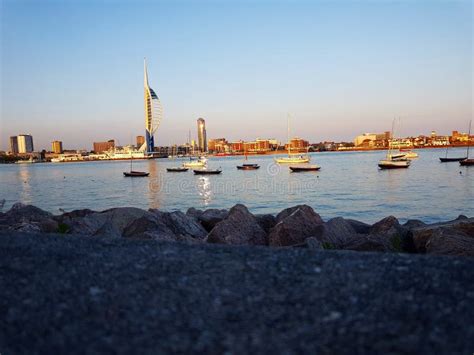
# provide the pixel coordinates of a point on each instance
(237, 146)
(14, 145)
(153, 114)
(140, 141)
(297, 145)
(372, 140)
(25, 143)
(57, 147)
(100, 147)
(218, 145)
(202, 139)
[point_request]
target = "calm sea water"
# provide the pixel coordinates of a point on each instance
(349, 184)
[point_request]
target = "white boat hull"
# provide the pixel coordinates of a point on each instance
(393, 164)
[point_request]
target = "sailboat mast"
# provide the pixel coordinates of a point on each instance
(288, 134)
(469, 139)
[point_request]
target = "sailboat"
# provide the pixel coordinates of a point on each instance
(448, 160)
(292, 158)
(393, 161)
(467, 161)
(247, 166)
(133, 173)
(201, 162)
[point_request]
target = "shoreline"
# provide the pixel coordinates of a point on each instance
(239, 154)
(293, 226)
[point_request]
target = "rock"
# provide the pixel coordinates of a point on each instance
(359, 227)
(109, 223)
(421, 236)
(29, 219)
(181, 224)
(288, 211)
(148, 227)
(450, 242)
(266, 221)
(68, 218)
(414, 223)
(295, 227)
(209, 218)
(385, 225)
(337, 232)
(193, 212)
(240, 227)
(369, 242)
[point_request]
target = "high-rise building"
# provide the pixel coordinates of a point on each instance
(100, 147)
(25, 143)
(57, 147)
(202, 139)
(140, 141)
(14, 145)
(153, 114)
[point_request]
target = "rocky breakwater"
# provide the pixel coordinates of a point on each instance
(298, 226)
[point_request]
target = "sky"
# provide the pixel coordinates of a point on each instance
(73, 70)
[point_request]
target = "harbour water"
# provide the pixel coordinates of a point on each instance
(349, 185)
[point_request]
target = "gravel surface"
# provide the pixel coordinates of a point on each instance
(70, 294)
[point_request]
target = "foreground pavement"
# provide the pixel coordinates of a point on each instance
(70, 294)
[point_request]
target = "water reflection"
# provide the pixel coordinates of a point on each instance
(155, 185)
(24, 175)
(204, 189)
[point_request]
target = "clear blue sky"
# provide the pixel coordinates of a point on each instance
(72, 70)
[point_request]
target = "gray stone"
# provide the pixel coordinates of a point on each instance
(28, 218)
(266, 221)
(181, 224)
(359, 227)
(464, 227)
(337, 232)
(149, 227)
(209, 218)
(240, 227)
(293, 228)
(111, 222)
(304, 208)
(450, 242)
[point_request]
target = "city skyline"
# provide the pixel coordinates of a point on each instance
(399, 60)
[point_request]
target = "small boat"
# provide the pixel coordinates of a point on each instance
(201, 162)
(291, 159)
(410, 154)
(394, 161)
(448, 160)
(135, 174)
(207, 171)
(468, 161)
(302, 168)
(248, 167)
(177, 169)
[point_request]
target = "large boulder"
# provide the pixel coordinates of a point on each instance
(338, 232)
(295, 225)
(28, 218)
(209, 218)
(444, 232)
(181, 224)
(450, 242)
(108, 223)
(359, 227)
(266, 221)
(304, 208)
(387, 235)
(240, 227)
(149, 226)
